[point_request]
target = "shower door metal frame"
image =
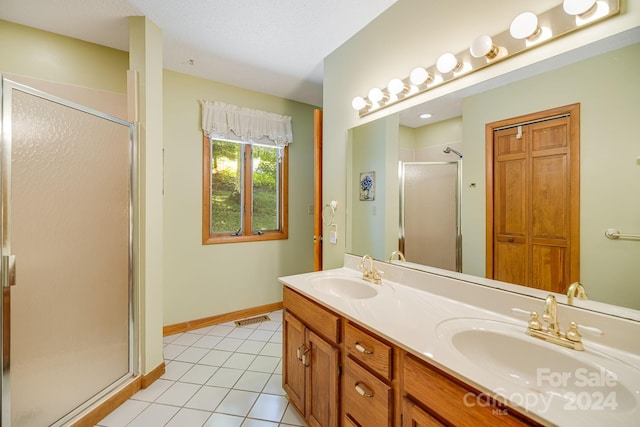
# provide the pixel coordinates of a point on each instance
(7, 271)
(402, 236)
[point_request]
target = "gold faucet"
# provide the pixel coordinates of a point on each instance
(552, 333)
(370, 274)
(576, 289)
(400, 256)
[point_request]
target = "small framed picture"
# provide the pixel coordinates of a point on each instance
(367, 186)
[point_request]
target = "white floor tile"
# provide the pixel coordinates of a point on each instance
(277, 337)
(249, 422)
(261, 335)
(152, 392)
(207, 341)
(215, 357)
(251, 347)
(170, 338)
(223, 420)
(192, 354)
(274, 385)
(239, 361)
(124, 413)
(292, 417)
(270, 349)
(278, 368)
(252, 381)
(264, 364)
(241, 333)
(207, 398)
(154, 415)
(276, 315)
(187, 339)
(269, 407)
(237, 402)
(178, 394)
(170, 351)
(217, 376)
(189, 418)
(225, 377)
(174, 370)
(269, 325)
(199, 374)
(229, 344)
(220, 330)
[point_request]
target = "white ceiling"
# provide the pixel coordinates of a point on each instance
(275, 47)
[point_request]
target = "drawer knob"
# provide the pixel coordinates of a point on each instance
(363, 390)
(363, 349)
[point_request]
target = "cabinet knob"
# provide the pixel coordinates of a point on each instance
(363, 390)
(362, 349)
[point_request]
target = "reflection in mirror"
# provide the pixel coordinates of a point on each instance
(607, 90)
(430, 235)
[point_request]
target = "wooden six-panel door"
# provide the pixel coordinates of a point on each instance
(533, 190)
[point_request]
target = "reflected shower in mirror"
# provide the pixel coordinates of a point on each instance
(430, 213)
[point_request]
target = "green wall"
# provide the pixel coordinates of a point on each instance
(206, 280)
(48, 56)
(607, 89)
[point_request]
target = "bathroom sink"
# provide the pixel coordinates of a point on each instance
(345, 286)
(539, 372)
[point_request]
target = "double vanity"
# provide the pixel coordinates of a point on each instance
(418, 348)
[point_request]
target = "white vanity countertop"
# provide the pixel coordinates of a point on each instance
(413, 318)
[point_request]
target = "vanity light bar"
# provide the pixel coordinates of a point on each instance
(526, 32)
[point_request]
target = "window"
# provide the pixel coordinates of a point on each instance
(244, 192)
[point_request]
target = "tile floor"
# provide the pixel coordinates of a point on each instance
(222, 376)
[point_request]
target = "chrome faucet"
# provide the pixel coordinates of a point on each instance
(370, 274)
(576, 289)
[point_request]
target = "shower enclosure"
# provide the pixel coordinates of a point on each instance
(430, 213)
(66, 191)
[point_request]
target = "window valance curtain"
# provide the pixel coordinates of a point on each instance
(232, 123)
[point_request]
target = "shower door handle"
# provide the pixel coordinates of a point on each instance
(8, 271)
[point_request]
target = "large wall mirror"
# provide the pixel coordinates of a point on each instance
(608, 91)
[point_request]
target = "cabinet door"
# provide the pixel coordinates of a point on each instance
(293, 371)
(322, 395)
(414, 416)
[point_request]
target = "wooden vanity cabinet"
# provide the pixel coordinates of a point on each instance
(368, 381)
(311, 360)
(338, 373)
(432, 397)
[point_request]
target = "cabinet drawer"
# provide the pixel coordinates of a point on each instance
(320, 320)
(367, 400)
(450, 400)
(369, 350)
(414, 416)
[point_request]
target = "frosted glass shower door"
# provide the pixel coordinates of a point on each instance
(430, 214)
(67, 219)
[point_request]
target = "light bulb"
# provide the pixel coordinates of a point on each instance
(396, 87)
(483, 46)
(447, 62)
(524, 26)
(579, 7)
(419, 76)
(358, 103)
(376, 95)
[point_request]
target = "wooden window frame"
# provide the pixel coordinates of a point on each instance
(211, 239)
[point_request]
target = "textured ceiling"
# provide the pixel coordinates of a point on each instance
(275, 47)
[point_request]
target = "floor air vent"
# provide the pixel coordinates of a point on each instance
(252, 320)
